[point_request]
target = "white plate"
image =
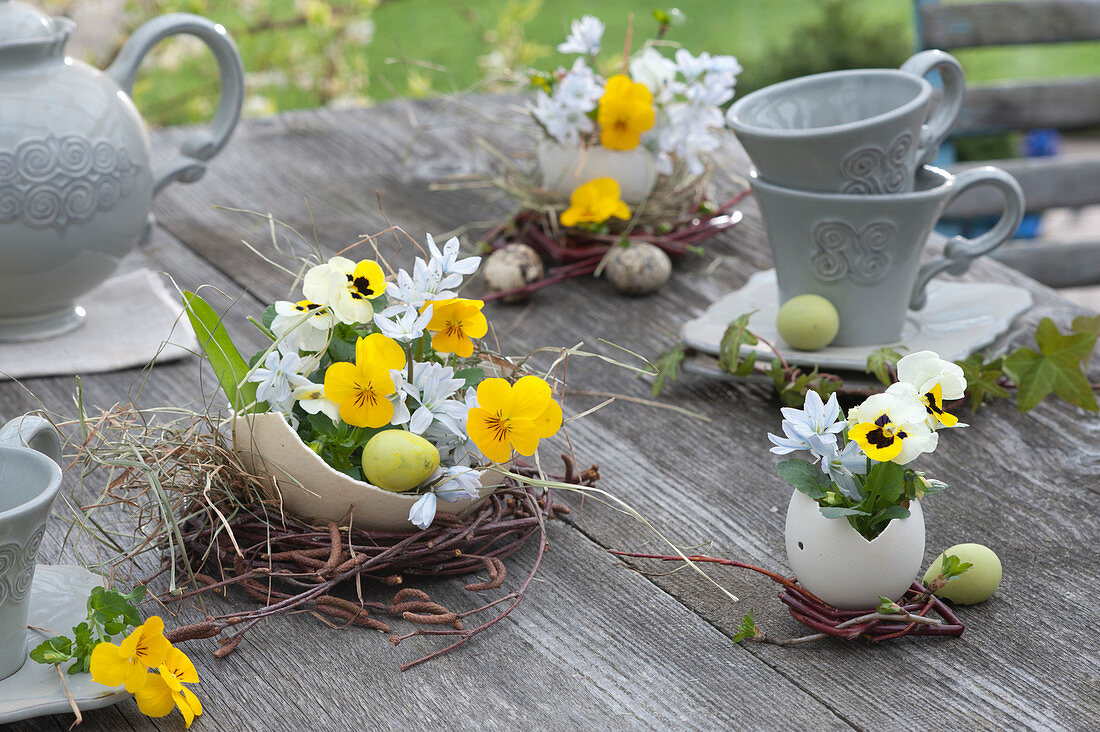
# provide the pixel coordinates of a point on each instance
(960, 318)
(59, 600)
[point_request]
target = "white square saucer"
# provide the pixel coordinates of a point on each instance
(960, 318)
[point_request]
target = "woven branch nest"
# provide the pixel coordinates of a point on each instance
(286, 564)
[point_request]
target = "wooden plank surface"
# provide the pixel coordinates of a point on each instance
(1055, 182)
(950, 25)
(1061, 104)
(597, 645)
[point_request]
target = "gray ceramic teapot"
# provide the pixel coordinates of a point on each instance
(76, 181)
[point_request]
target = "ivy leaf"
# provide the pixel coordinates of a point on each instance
(882, 362)
(983, 379)
(805, 477)
(1089, 324)
(1057, 368)
(737, 335)
(668, 367)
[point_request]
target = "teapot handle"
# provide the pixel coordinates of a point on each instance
(200, 147)
(34, 432)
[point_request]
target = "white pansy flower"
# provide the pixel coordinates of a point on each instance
(312, 398)
(403, 323)
(891, 427)
(346, 288)
(303, 324)
(584, 37)
(925, 369)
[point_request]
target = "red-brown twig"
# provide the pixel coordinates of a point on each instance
(289, 566)
(810, 610)
(579, 252)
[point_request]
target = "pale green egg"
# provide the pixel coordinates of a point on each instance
(396, 460)
(976, 584)
(808, 322)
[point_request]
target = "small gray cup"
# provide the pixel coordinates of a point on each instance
(861, 131)
(862, 253)
(30, 478)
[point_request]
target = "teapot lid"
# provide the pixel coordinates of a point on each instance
(20, 22)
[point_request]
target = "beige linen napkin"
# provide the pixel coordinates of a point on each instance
(132, 319)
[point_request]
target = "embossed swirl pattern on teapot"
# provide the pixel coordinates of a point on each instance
(76, 175)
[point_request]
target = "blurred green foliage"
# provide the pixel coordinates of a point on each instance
(305, 53)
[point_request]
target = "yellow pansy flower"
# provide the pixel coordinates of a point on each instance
(454, 325)
(126, 663)
(625, 112)
(594, 203)
(362, 389)
(166, 690)
(512, 416)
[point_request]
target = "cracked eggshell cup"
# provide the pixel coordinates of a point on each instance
(310, 488)
(566, 167)
(834, 561)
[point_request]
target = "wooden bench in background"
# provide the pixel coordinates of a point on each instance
(1063, 104)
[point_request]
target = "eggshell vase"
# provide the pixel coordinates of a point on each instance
(565, 167)
(833, 561)
(312, 489)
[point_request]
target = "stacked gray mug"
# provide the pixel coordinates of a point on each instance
(842, 178)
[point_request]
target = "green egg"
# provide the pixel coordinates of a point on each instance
(396, 460)
(808, 322)
(976, 584)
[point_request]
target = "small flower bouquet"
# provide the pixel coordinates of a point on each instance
(622, 158)
(384, 382)
(854, 527)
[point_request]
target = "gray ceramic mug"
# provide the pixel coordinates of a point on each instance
(862, 253)
(863, 131)
(30, 478)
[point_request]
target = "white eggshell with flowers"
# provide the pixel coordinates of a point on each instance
(311, 489)
(566, 167)
(833, 561)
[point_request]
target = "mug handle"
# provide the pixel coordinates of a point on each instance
(34, 432)
(959, 251)
(936, 127)
(189, 166)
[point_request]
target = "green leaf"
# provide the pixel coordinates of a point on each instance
(747, 629)
(224, 358)
(472, 376)
(952, 567)
(1057, 368)
(1089, 324)
(888, 514)
(268, 317)
(55, 650)
(737, 335)
(882, 363)
(983, 379)
(805, 476)
(668, 367)
(832, 512)
(884, 485)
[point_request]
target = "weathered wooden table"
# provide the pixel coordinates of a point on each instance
(597, 644)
